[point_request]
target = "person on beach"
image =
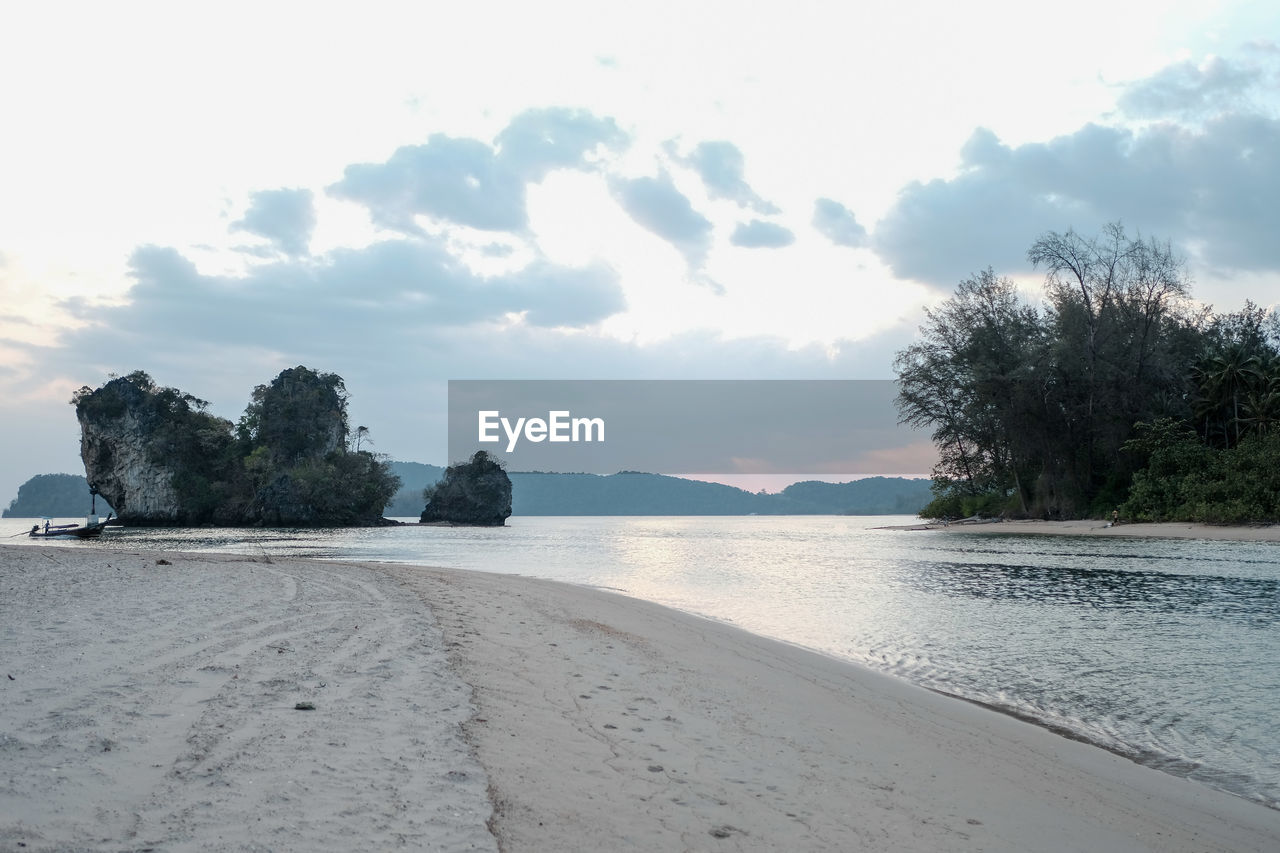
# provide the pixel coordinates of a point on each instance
(1115, 517)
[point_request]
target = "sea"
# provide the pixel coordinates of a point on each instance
(1164, 651)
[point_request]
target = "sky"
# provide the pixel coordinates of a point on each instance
(407, 193)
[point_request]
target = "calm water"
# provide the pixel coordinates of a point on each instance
(1164, 650)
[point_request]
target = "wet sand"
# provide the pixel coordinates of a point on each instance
(1094, 527)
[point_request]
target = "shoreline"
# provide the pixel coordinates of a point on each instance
(564, 718)
(1097, 527)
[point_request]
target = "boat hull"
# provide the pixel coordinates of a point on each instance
(88, 531)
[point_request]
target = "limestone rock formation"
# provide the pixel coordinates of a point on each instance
(140, 444)
(477, 492)
(159, 458)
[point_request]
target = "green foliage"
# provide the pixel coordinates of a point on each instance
(953, 500)
(1031, 405)
(300, 415)
(1185, 480)
(342, 488)
(1237, 377)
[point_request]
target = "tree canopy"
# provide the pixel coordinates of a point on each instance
(1038, 407)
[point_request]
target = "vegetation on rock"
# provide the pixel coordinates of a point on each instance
(159, 457)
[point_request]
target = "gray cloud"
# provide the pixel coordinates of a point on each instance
(369, 300)
(720, 164)
(458, 180)
(538, 141)
(758, 234)
(1207, 188)
(1187, 89)
(284, 217)
(838, 224)
(469, 182)
(656, 204)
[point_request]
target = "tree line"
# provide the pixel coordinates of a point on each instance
(1113, 391)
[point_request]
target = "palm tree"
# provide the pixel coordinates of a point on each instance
(1261, 409)
(1224, 380)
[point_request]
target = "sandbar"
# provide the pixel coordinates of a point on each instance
(1095, 527)
(150, 703)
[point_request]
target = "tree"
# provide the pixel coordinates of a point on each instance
(1029, 405)
(1237, 376)
(1121, 332)
(972, 378)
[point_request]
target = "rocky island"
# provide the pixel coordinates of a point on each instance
(159, 458)
(477, 492)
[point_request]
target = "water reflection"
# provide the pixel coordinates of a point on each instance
(1237, 598)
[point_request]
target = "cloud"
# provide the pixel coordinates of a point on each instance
(838, 224)
(1186, 89)
(458, 180)
(758, 234)
(555, 296)
(468, 182)
(720, 165)
(392, 341)
(538, 141)
(1207, 188)
(378, 299)
(658, 206)
(284, 217)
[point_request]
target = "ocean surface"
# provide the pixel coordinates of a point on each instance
(1166, 651)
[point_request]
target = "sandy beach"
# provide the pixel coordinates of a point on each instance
(1095, 527)
(150, 701)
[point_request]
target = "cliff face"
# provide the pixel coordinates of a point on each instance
(119, 429)
(476, 492)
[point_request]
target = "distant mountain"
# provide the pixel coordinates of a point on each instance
(535, 493)
(869, 496)
(414, 477)
(625, 493)
(636, 493)
(54, 495)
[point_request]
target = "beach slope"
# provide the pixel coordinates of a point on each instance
(149, 700)
(608, 723)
